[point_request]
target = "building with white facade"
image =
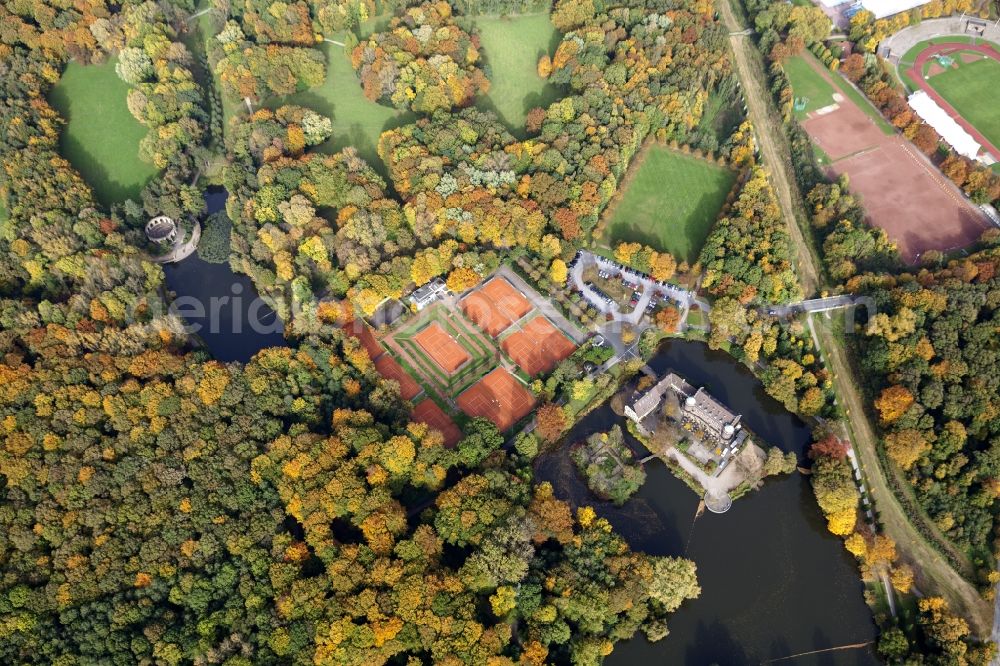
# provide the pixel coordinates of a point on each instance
(953, 133)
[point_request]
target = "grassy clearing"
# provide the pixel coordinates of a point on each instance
(512, 47)
(101, 138)
(808, 84)
(357, 121)
(963, 88)
(670, 203)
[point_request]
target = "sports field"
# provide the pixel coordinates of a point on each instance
(670, 202)
(902, 192)
(101, 138)
(811, 79)
(495, 306)
(538, 347)
(512, 47)
(427, 411)
(499, 397)
(910, 57)
(441, 347)
(965, 87)
(442, 350)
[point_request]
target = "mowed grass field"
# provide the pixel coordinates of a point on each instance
(512, 47)
(965, 87)
(101, 138)
(670, 203)
(808, 83)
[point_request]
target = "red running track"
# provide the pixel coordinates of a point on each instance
(948, 48)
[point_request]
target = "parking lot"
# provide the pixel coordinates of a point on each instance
(646, 292)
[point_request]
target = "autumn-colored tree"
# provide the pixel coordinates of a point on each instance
(905, 447)
(853, 67)
(463, 278)
(901, 577)
(925, 138)
(550, 421)
(893, 402)
(558, 272)
(830, 446)
(956, 168)
(544, 66)
(667, 318)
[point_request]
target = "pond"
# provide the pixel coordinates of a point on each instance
(774, 582)
(221, 307)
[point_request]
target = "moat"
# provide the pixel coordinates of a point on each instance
(774, 581)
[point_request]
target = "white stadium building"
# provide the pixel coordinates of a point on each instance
(953, 133)
(880, 8)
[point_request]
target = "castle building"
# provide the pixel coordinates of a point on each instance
(698, 407)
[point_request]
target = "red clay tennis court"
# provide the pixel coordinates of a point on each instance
(358, 329)
(495, 306)
(499, 397)
(428, 412)
(537, 347)
(388, 368)
(441, 347)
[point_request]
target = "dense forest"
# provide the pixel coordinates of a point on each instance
(931, 354)
(424, 62)
(160, 506)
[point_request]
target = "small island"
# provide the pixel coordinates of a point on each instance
(701, 440)
(608, 465)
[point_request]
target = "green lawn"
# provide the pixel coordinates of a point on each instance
(808, 83)
(512, 47)
(671, 203)
(357, 121)
(964, 88)
(101, 138)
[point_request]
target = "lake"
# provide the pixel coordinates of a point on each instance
(222, 307)
(774, 581)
